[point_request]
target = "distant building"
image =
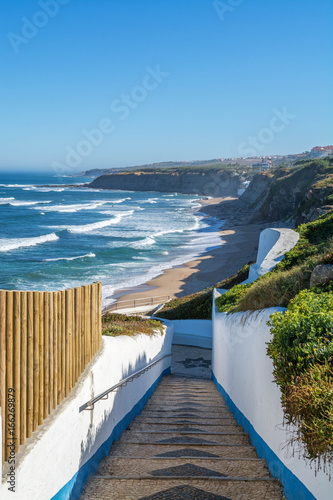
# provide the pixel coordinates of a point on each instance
(321, 151)
(264, 164)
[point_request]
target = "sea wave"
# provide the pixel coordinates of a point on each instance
(88, 255)
(71, 208)
(150, 200)
(6, 200)
(146, 242)
(15, 185)
(26, 203)
(86, 228)
(44, 189)
(120, 200)
(169, 231)
(7, 244)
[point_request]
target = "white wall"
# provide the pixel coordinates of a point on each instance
(273, 244)
(243, 369)
(69, 439)
(193, 332)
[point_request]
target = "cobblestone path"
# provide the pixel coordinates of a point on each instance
(184, 445)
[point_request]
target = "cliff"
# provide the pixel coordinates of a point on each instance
(300, 194)
(202, 181)
(297, 195)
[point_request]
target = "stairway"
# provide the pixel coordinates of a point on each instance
(184, 445)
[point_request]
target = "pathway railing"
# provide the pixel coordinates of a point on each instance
(133, 304)
(46, 341)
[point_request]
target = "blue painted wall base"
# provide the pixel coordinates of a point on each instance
(294, 489)
(73, 489)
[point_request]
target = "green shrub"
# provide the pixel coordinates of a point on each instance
(199, 305)
(309, 405)
(231, 298)
(302, 340)
(115, 324)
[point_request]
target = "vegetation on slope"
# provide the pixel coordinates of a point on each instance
(199, 305)
(302, 339)
(290, 276)
(302, 354)
(120, 324)
(291, 193)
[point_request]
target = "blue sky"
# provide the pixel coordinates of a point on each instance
(108, 83)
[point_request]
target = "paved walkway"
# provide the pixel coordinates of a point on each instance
(184, 445)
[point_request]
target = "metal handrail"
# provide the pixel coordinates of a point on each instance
(149, 300)
(89, 405)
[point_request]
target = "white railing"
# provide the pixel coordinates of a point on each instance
(133, 304)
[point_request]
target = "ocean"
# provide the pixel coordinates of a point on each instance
(53, 238)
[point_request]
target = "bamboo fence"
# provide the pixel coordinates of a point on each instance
(46, 341)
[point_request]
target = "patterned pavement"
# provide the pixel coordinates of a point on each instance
(185, 445)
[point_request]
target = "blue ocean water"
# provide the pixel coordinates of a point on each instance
(58, 237)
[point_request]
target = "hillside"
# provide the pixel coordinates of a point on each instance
(300, 194)
(202, 180)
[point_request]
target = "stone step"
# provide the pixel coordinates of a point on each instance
(194, 412)
(185, 444)
(218, 450)
(171, 489)
(174, 419)
(184, 427)
(184, 438)
(125, 466)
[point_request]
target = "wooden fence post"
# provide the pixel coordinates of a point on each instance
(17, 364)
(41, 358)
(3, 369)
(51, 353)
(24, 354)
(36, 362)
(30, 363)
(9, 360)
(46, 354)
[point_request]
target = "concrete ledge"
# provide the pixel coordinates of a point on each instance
(294, 489)
(273, 244)
(58, 459)
(191, 332)
(243, 374)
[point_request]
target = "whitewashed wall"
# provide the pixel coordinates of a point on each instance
(243, 372)
(57, 460)
(192, 332)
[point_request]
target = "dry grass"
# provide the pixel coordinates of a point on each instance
(120, 324)
(276, 290)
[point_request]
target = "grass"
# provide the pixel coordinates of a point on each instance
(114, 325)
(199, 305)
(291, 275)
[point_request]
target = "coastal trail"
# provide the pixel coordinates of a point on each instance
(185, 444)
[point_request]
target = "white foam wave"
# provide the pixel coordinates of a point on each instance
(147, 242)
(26, 203)
(71, 208)
(121, 200)
(150, 200)
(15, 185)
(86, 228)
(88, 255)
(44, 189)
(7, 244)
(170, 231)
(6, 200)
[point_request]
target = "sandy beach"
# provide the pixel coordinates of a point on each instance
(239, 246)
